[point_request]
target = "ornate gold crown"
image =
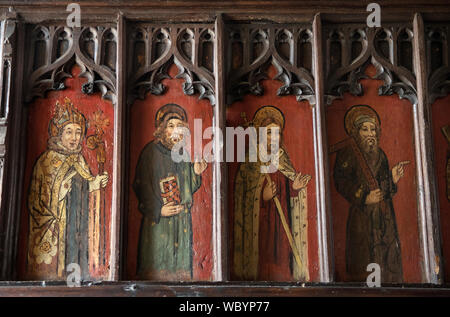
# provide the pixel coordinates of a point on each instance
(65, 114)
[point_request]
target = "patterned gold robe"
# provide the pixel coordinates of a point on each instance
(248, 221)
(60, 182)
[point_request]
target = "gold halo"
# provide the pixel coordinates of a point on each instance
(356, 111)
(170, 108)
(265, 112)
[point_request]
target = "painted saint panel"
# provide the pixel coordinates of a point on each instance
(272, 221)
(441, 135)
(66, 211)
(373, 186)
(170, 201)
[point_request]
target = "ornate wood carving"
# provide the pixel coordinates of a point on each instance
(55, 49)
(438, 59)
(8, 41)
(351, 48)
(153, 49)
(252, 49)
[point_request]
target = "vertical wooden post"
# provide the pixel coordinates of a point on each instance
(119, 162)
(324, 223)
(220, 267)
(428, 202)
(2, 212)
(14, 149)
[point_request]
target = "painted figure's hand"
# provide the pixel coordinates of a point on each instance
(375, 196)
(301, 181)
(66, 185)
(398, 171)
(270, 190)
(99, 181)
(170, 209)
(199, 167)
(104, 178)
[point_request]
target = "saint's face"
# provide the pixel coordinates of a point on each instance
(71, 136)
(368, 135)
(273, 136)
(174, 132)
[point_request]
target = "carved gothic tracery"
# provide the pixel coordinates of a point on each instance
(55, 49)
(438, 59)
(350, 49)
(252, 49)
(153, 49)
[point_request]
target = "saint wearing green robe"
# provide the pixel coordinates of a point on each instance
(165, 239)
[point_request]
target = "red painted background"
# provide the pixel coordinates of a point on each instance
(397, 141)
(298, 139)
(441, 117)
(40, 112)
(142, 127)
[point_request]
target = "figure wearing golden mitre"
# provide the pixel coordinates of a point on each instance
(270, 211)
(63, 194)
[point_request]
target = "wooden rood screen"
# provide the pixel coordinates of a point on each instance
(351, 120)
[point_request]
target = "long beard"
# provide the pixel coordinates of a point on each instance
(369, 146)
(169, 142)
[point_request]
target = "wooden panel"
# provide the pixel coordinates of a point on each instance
(143, 114)
(437, 61)
(397, 142)
(297, 141)
(44, 254)
(441, 122)
(260, 48)
(272, 239)
(220, 290)
(67, 189)
(169, 65)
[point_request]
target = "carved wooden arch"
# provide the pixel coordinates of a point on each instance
(253, 49)
(65, 47)
(162, 46)
(438, 61)
(360, 46)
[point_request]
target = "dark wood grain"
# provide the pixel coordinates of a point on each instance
(220, 225)
(137, 289)
(119, 158)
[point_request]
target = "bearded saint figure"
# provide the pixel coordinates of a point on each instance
(165, 240)
(262, 250)
(61, 200)
(362, 176)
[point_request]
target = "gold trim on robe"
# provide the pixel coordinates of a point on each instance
(248, 187)
(47, 207)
